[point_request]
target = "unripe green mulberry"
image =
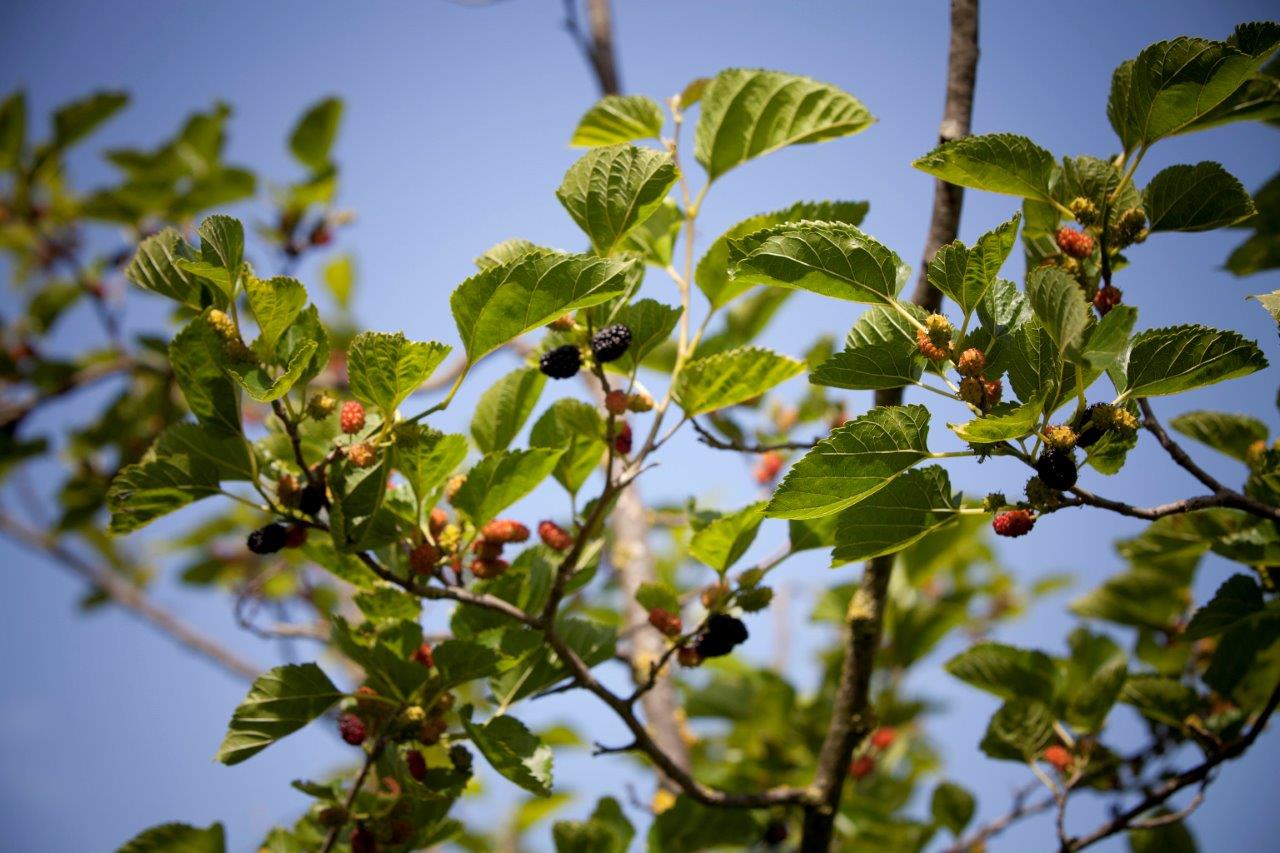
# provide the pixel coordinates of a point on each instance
(1084, 210)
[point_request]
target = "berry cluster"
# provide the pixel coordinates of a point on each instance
(608, 344)
(935, 343)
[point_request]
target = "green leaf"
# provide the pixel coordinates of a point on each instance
(384, 657)
(618, 118)
(655, 238)
(539, 665)
(264, 387)
(195, 355)
(513, 751)
(1179, 358)
(387, 603)
(909, 508)
(184, 465)
(1059, 304)
(1195, 198)
(1160, 698)
(313, 135)
(508, 250)
(1167, 838)
(504, 407)
(1035, 367)
(651, 324)
(460, 661)
(1271, 302)
(156, 267)
(576, 428)
(222, 243)
(76, 120)
(426, 457)
(280, 702)
(384, 369)
(828, 258)
(276, 303)
(1006, 671)
(358, 495)
(1238, 600)
(651, 594)
(952, 806)
(723, 540)
(732, 377)
(1096, 672)
(688, 827)
(177, 838)
(854, 462)
(340, 279)
(606, 831)
(748, 113)
(966, 274)
(13, 129)
(1237, 650)
(1232, 434)
(305, 331)
(1019, 731)
(995, 162)
(712, 274)
(500, 479)
(880, 352)
(1173, 84)
(610, 191)
(502, 302)
(1004, 422)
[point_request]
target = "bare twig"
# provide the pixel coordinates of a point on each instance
(709, 439)
(130, 597)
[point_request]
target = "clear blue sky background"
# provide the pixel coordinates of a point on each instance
(455, 137)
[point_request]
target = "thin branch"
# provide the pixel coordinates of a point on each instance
(130, 597)
(332, 838)
(1196, 775)
(707, 438)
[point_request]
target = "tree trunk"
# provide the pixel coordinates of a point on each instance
(851, 717)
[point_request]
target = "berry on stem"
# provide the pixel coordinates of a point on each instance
(883, 737)
(610, 343)
(1057, 468)
(971, 362)
(622, 441)
(723, 632)
(423, 558)
(666, 622)
(862, 767)
(268, 539)
(562, 362)
(768, 467)
(312, 499)
(352, 729)
(1015, 522)
(1058, 756)
(1073, 243)
(296, 536)
(615, 402)
(416, 763)
(362, 455)
(351, 419)
(554, 536)
(505, 530)
(422, 654)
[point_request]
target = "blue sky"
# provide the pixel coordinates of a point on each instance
(455, 137)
